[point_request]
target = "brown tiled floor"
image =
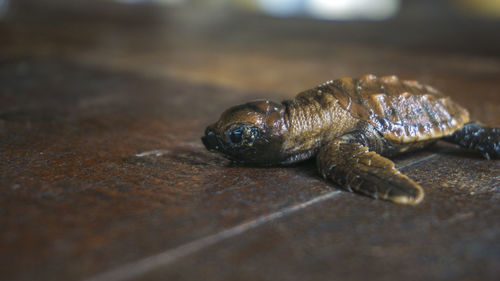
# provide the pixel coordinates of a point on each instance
(103, 175)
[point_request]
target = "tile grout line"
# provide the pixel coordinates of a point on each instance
(134, 269)
(417, 161)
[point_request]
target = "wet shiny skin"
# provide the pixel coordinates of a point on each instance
(361, 119)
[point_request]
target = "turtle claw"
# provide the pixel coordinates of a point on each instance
(486, 155)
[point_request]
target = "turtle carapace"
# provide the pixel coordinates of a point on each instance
(351, 125)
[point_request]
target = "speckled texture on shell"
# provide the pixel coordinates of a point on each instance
(403, 111)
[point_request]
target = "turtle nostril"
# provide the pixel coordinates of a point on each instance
(209, 132)
(210, 139)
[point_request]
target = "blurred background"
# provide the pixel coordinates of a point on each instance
(250, 43)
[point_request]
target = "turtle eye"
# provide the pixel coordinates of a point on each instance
(236, 136)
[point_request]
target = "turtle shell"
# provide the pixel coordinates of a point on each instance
(402, 111)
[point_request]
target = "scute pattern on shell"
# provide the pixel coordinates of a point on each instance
(403, 111)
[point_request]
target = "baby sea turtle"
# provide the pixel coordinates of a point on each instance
(351, 125)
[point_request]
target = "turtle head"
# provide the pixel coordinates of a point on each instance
(250, 133)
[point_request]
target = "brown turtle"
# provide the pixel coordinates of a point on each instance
(351, 126)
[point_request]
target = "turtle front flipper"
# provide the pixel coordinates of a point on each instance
(350, 164)
(477, 137)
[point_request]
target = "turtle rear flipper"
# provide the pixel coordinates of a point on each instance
(476, 137)
(351, 165)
